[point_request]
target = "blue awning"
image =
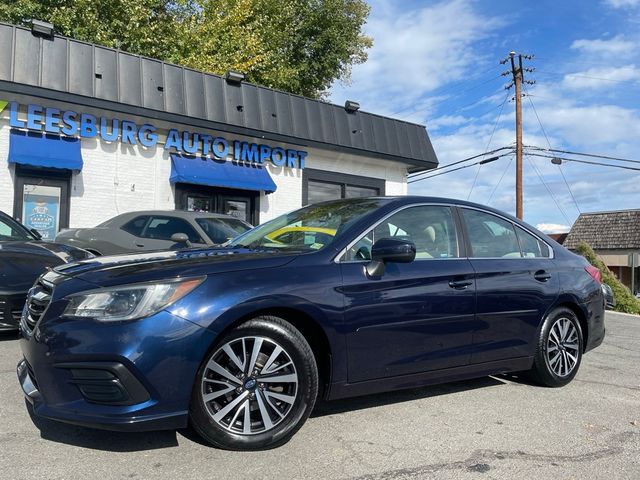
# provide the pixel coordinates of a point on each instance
(43, 150)
(220, 173)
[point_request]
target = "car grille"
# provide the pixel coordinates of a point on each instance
(10, 312)
(38, 300)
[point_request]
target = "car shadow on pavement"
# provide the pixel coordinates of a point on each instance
(333, 407)
(102, 439)
(10, 335)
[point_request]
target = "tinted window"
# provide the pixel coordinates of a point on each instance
(135, 226)
(162, 228)
(322, 191)
(222, 230)
(430, 228)
(490, 236)
(329, 219)
(12, 231)
(531, 247)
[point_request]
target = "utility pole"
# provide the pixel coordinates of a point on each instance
(517, 71)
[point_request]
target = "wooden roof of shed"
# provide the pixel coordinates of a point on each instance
(618, 230)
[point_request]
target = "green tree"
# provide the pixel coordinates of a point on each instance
(300, 46)
(625, 301)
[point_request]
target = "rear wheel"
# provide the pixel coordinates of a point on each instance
(559, 350)
(256, 388)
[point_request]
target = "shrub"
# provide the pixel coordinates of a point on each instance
(625, 301)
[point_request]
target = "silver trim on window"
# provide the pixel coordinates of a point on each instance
(459, 236)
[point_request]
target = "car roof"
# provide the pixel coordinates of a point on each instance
(178, 213)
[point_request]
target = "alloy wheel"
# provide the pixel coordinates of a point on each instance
(249, 385)
(563, 347)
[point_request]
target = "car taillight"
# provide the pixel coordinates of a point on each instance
(594, 272)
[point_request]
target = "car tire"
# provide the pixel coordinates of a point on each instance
(243, 400)
(559, 349)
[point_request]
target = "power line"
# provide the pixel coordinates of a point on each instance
(579, 75)
(582, 154)
(481, 162)
(548, 189)
(584, 161)
(428, 172)
(549, 143)
(500, 181)
(495, 125)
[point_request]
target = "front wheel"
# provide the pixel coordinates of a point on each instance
(559, 350)
(256, 388)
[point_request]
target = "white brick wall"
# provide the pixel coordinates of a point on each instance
(117, 178)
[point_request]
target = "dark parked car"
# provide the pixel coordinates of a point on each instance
(155, 230)
(239, 341)
(23, 258)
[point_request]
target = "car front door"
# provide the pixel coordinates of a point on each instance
(159, 229)
(516, 282)
(418, 316)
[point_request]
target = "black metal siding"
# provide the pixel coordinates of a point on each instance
(67, 68)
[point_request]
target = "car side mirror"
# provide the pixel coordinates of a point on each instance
(181, 238)
(35, 233)
(389, 250)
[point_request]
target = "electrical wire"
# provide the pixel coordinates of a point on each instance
(428, 172)
(582, 154)
(579, 75)
(501, 177)
(495, 125)
(481, 162)
(575, 202)
(548, 189)
(564, 159)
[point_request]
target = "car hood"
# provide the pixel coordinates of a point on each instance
(151, 266)
(22, 262)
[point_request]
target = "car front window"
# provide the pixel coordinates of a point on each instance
(221, 230)
(310, 228)
(11, 231)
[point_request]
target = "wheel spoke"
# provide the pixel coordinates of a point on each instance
(290, 378)
(279, 396)
(218, 393)
(246, 426)
(237, 414)
(230, 406)
(553, 335)
(220, 370)
(257, 345)
(274, 355)
(264, 414)
(234, 358)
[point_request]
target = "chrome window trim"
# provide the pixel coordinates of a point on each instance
(343, 252)
(551, 251)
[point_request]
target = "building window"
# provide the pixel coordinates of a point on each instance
(320, 186)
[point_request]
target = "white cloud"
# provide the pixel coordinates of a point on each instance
(601, 77)
(414, 52)
(553, 228)
(613, 46)
(622, 3)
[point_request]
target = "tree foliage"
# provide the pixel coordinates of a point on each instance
(625, 301)
(300, 46)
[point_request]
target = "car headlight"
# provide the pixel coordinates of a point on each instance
(128, 302)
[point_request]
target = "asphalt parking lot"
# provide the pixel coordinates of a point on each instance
(487, 428)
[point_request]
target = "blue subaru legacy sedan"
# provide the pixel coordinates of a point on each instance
(337, 299)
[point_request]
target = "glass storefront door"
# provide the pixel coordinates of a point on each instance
(241, 204)
(42, 204)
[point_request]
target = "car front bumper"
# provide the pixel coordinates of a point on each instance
(131, 376)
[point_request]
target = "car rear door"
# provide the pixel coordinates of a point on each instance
(516, 282)
(418, 316)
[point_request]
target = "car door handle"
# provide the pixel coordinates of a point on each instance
(542, 276)
(460, 284)
(141, 245)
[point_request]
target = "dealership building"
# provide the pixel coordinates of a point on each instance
(88, 132)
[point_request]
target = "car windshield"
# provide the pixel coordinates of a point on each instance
(310, 228)
(221, 230)
(10, 230)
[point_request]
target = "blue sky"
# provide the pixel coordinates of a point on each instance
(436, 63)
